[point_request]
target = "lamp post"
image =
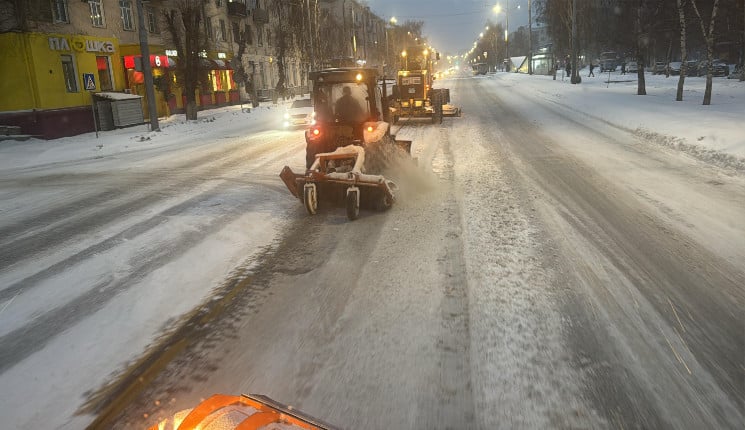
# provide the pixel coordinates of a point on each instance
(147, 70)
(392, 22)
(406, 59)
(497, 10)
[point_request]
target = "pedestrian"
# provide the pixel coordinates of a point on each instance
(592, 66)
(569, 67)
(623, 67)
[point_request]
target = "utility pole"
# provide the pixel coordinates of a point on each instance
(147, 70)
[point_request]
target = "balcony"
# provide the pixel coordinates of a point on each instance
(237, 8)
(261, 16)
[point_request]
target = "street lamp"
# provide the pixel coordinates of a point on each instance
(406, 59)
(392, 22)
(497, 10)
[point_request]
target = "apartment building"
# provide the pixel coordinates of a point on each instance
(58, 52)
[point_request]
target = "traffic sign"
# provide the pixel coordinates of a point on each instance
(90, 81)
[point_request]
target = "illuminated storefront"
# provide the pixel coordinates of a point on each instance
(46, 80)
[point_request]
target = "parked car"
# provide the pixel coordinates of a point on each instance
(608, 61)
(675, 67)
(659, 68)
(299, 114)
(735, 71)
(692, 68)
(719, 68)
(632, 67)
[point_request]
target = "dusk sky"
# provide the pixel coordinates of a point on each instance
(451, 25)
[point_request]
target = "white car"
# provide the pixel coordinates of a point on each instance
(299, 114)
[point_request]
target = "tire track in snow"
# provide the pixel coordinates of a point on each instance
(521, 363)
(664, 368)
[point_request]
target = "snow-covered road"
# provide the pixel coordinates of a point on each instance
(548, 265)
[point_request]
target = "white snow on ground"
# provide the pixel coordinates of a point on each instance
(50, 385)
(77, 360)
(709, 132)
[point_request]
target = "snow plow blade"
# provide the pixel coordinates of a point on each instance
(221, 412)
(336, 179)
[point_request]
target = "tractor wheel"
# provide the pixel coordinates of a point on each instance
(310, 199)
(384, 203)
(353, 203)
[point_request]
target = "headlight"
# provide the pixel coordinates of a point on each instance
(287, 115)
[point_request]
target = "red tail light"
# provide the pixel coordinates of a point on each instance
(316, 132)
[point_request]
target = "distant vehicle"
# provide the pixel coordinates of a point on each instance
(479, 68)
(608, 61)
(659, 68)
(735, 71)
(632, 67)
(692, 68)
(675, 67)
(299, 114)
(719, 68)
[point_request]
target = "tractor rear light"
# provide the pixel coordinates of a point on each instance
(369, 128)
(316, 132)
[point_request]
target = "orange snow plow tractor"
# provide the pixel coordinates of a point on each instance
(349, 146)
(244, 412)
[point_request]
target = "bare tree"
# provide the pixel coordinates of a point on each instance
(183, 24)
(709, 37)
(683, 50)
(289, 24)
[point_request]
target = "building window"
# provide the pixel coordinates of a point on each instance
(103, 65)
(223, 34)
(236, 32)
(126, 8)
(59, 11)
(97, 17)
(68, 70)
(262, 75)
(152, 20)
(208, 29)
(249, 35)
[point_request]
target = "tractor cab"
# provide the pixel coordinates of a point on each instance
(346, 101)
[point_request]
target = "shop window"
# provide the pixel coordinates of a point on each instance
(223, 34)
(71, 77)
(97, 17)
(126, 7)
(59, 11)
(104, 73)
(152, 20)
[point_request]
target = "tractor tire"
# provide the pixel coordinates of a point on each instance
(384, 203)
(310, 198)
(353, 204)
